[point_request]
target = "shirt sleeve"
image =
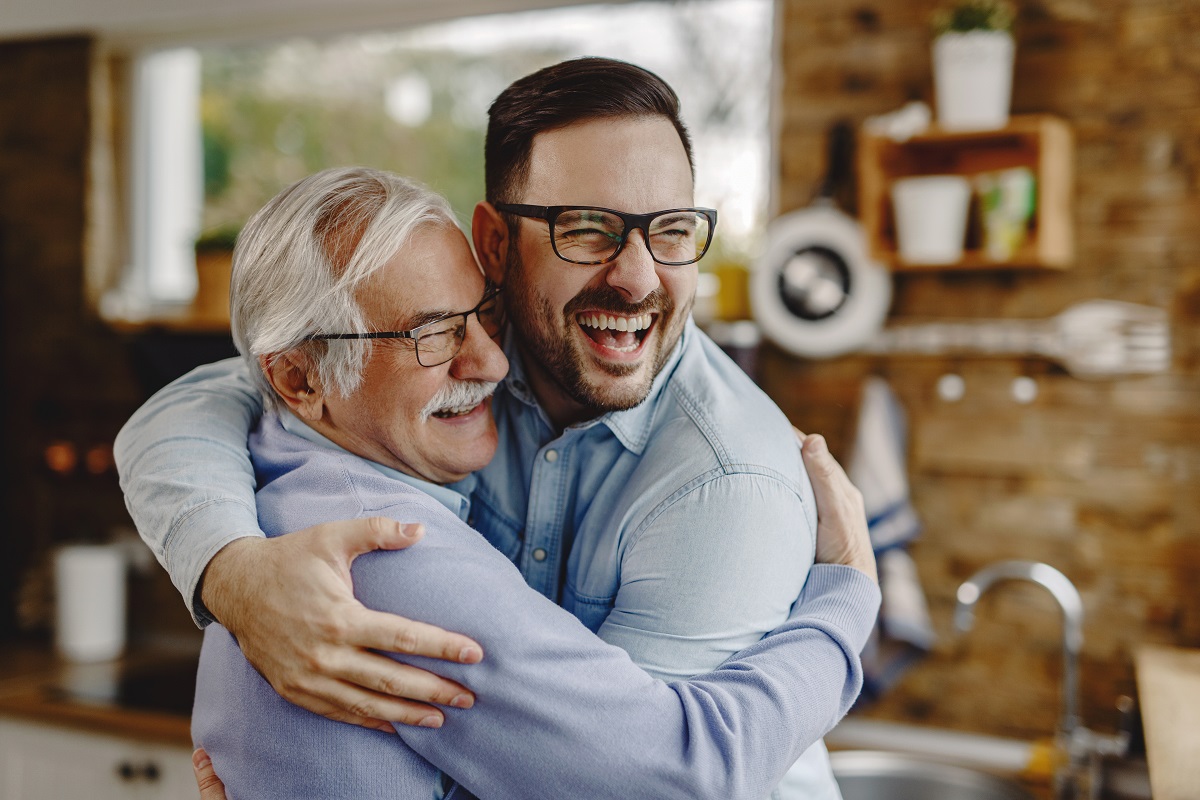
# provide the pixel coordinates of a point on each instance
(186, 472)
(559, 713)
(710, 571)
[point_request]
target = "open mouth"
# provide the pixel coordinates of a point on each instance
(455, 411)
(623, 334)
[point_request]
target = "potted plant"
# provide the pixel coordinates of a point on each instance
(973, 50)
(214, 266)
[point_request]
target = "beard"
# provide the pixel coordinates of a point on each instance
(547, 339)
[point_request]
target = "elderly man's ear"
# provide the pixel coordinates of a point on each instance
(289, 376)
(489, 232)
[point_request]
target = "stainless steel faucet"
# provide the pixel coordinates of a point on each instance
(1083, 748)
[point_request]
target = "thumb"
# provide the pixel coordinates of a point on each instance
(358, 536)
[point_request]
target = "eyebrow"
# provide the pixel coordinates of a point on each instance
(425, 318)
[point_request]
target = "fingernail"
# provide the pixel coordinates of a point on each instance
(200, 759)
(432, 721)
(413, 530)
(470, 655)
(816, 443)
(463, 701)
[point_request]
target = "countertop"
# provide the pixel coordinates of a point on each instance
(1169, 686)
(146, 695)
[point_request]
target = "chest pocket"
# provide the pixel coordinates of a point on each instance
(591, 611)
(501, 531)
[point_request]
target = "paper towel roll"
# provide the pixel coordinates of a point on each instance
(89, 582)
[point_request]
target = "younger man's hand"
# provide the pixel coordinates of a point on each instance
(290, 603)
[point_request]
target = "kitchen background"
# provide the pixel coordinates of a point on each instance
(1099, 478)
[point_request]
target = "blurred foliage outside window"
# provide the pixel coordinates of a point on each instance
(415, 102)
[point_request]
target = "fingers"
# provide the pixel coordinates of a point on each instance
(391, 679)
(346, 702)
(379, 631)
(207, 781)
(843, 536)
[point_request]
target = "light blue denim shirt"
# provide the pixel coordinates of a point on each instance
(681, 530)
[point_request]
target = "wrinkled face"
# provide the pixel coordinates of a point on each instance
(593, 337)
(435, 422)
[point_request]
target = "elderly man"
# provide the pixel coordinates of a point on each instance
(642, 481)
(347, 303)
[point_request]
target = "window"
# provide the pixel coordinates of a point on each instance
(219, 130)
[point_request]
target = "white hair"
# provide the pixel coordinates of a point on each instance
(301, 258)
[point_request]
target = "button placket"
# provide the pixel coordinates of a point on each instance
(544, 520)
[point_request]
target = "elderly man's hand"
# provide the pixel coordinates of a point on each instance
(290, 603)
(842, 536)
(207, 781)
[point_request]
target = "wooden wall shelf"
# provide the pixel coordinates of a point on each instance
(1041, 142)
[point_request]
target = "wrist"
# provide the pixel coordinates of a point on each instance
(222, 576)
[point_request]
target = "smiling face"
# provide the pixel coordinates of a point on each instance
(594, 337)
(434, 423)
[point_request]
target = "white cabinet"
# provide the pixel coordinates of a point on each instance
(46, 762)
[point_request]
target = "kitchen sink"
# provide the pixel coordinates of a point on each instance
(879, 775)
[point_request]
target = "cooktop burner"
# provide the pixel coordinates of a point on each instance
(162, 686)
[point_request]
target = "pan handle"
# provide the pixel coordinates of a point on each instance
(839, 168)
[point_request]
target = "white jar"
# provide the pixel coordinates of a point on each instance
(89, 582)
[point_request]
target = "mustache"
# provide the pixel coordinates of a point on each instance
(457, 394)
(607, 298)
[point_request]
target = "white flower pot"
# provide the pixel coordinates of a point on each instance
(972, 74)
(931, 218)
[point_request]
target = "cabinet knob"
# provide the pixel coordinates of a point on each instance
(130, 772)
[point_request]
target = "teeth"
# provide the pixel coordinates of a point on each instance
(457, 411)
(606, 322)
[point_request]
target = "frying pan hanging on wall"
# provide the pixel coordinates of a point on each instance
(814, 290)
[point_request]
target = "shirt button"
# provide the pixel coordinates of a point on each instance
(552, 456)
(539, 554)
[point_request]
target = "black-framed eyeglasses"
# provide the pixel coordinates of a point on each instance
(440, 340)
(594, 235)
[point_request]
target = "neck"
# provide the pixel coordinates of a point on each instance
(561, 408)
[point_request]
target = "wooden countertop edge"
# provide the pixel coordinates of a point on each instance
(165, 729)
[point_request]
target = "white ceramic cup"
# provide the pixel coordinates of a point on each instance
(89, 582)
(931, 218)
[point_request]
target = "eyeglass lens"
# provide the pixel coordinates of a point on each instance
(588, 236)
(440, 341)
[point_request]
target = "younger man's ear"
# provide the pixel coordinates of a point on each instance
(489, 232)
(288, 375)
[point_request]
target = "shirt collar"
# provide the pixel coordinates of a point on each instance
(455, 499)
(632, 426)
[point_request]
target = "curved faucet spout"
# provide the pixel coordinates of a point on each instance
(1069, 601)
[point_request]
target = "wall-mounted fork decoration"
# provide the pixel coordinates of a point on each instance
(1094, 339)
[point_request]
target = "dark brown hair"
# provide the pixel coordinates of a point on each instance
(571, 91)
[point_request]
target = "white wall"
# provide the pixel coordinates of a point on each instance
(156, 23)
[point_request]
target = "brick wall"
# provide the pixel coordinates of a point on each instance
(1099, 479)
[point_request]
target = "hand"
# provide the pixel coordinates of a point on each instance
(290, 603)
(842, 536)
(207, 781)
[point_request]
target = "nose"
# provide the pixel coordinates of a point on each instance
(480, 358)
(634, 273)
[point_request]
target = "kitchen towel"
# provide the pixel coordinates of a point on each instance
(877, 467)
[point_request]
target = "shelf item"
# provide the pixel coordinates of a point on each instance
(1041, 143)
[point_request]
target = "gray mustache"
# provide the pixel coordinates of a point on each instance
(457, 394)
